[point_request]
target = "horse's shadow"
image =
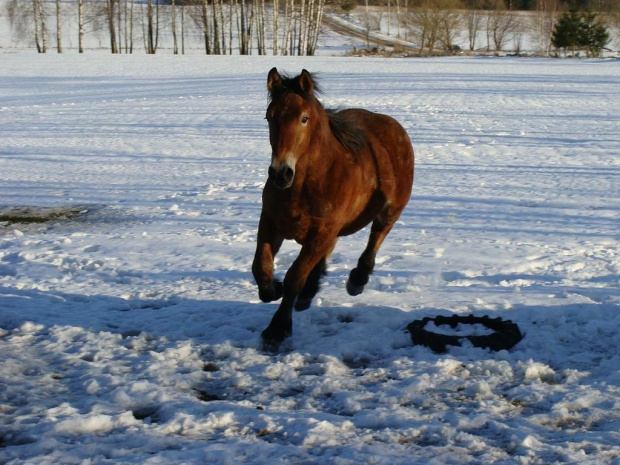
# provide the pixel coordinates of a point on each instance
(329, 329)
(175, 318)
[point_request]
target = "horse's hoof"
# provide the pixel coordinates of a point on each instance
(272, 292)
(354, 290)
(355, 284)
(273, 338)
(303, 304)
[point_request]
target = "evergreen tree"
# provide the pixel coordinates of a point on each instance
(577, 30)
(593, 34)
(566, 32)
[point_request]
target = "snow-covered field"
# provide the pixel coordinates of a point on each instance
(131, 333)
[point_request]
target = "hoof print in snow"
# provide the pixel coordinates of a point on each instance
(210, 367)
(505, 335)
(205, 396)
(345, 319)
(146, 413)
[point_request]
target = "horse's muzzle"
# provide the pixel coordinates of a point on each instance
(282, 177)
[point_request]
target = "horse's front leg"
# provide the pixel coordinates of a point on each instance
(268, 243)
(311, 254)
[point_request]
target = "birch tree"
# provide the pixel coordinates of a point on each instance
(547, 12)
(316, 17)
(276, 13)
(183, 28)
(40, 18)
(203, 21)
(240, 6)
(289, 15)
(215, 14)
(302, 27)
(173, 27)
(58, 27)
(80, 26)
(261, 28)
(110, 15)
(28, 21)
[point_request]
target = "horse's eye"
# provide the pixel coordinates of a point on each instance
(304, 119)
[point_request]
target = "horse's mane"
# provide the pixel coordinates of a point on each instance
(344, 128)
(346, 131)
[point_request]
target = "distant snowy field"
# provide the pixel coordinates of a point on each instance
(130, 335)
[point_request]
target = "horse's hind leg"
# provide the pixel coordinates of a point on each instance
(358, 278)
(313, 283)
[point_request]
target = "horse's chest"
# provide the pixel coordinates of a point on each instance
(293, 222)
(296, 220)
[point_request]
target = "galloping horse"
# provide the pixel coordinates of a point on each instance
(331, 174)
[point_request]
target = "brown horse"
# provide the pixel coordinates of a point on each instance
(331, 174)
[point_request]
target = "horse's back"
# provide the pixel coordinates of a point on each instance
(389, 149)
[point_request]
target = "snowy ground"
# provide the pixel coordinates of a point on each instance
(131, 334)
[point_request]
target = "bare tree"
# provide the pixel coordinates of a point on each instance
(316, 17)
(80, 26)
(110, 15)
(151, 47)
(203, 20)
(287, 41)
(398, 18)
(58, 27)
(293, 28)
(276, 12)
(183, 28)
(261, 28)
(119, 25)
(547, 12)
(449, 23)
(244, 44)
(501, 26)
(435, 23)
(222, 25)
(217, 45)
(38, 37)
(173, 27)
(419, 24)
(27, 21)
(302, 27)
(371, 22)
(473, 20)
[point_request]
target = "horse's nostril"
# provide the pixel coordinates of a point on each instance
(282, 177)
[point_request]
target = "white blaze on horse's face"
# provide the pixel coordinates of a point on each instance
(289, 135)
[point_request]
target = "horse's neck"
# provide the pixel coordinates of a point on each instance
(324, 149)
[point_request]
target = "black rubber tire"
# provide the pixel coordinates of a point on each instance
(506, 335)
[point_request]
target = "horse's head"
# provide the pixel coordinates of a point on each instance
(293, 115)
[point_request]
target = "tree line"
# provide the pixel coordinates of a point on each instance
(285, 27)
(489, 25)
(292, 27)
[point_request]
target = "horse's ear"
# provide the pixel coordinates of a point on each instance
(274, 80)
(306, 82)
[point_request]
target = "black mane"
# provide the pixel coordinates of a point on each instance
(347, 131)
